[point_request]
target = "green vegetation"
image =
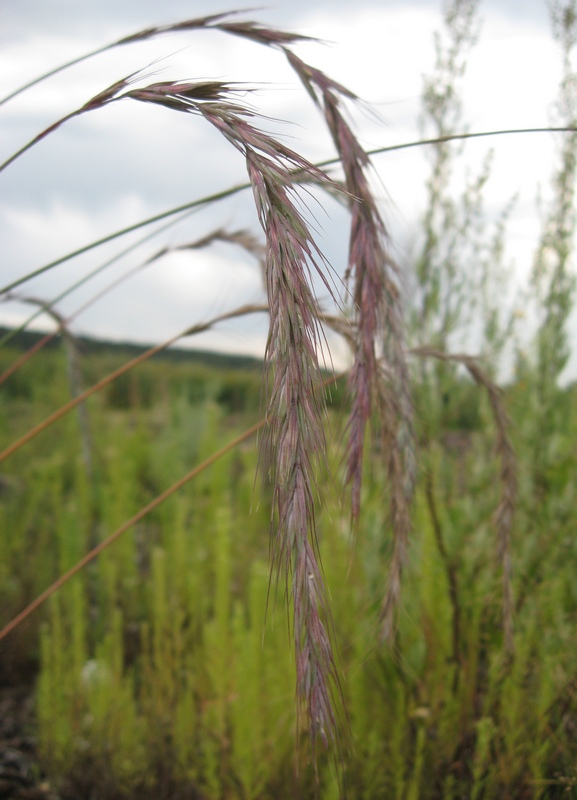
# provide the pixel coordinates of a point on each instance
(158, 674)
(433, 651)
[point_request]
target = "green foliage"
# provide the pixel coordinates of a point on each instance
(175, 676)
(552, 290)
(166, 667)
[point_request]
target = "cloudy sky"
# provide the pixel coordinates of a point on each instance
(109, 169)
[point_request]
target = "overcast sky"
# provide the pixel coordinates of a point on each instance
(109, 169)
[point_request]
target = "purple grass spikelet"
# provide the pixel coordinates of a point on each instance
(379, 377)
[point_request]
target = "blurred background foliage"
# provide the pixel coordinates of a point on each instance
(164, 669)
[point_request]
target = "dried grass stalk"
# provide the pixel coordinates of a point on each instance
(504, 513)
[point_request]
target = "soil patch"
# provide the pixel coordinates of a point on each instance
(20, 775)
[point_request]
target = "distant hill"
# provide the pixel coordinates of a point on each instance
(24, 340)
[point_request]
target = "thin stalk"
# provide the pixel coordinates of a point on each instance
(55, 71)
(65, 577)
(243, 186)
(84, 280)
(450, 570)
(452, 137)
(149, 33)
(504, 513)
(45, 307)
(74, 378)
(27, 355)
(90, 556)
(110, 237)
(59, 413)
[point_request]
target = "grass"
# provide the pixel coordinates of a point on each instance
(446, 669)
(158, 674)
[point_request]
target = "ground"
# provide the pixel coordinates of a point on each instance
(20, 775)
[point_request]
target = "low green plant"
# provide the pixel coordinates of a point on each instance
(155, 677)
(168, 679)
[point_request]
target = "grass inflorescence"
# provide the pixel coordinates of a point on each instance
(436, 675)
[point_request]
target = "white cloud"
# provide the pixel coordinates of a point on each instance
(112, 168)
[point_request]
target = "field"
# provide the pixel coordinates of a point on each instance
(232, 578)
(164, 669)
